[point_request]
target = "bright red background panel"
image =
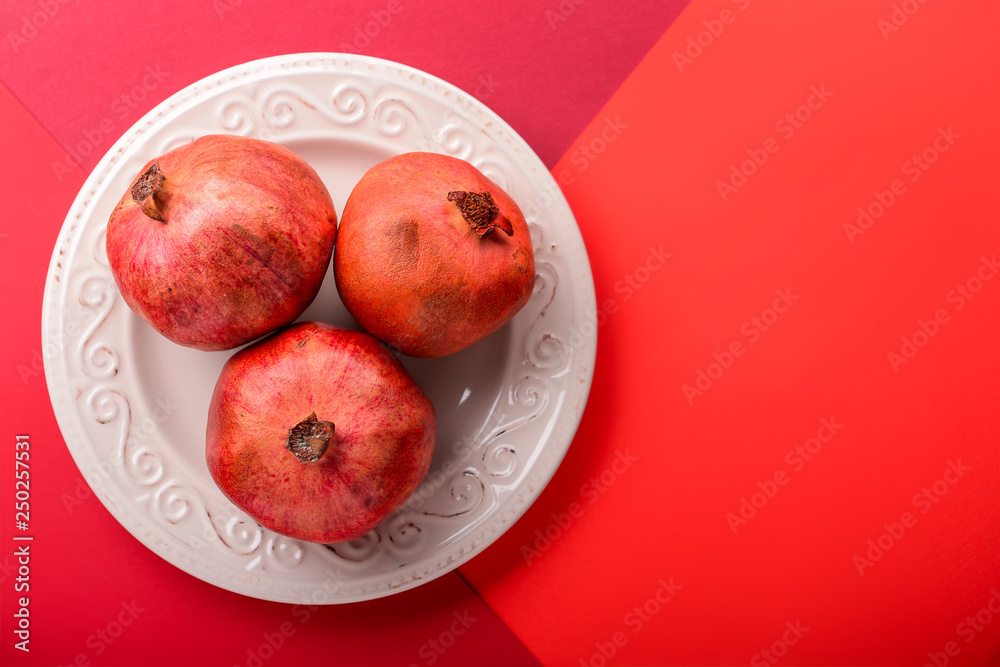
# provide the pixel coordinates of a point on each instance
(802, 420)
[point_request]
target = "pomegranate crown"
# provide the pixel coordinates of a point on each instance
(481, 212)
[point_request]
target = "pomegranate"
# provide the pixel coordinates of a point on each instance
(432, 256)
(318, 433)
(222, 240)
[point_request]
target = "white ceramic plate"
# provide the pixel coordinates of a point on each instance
(132, 406)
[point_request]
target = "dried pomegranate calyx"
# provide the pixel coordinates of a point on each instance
(309, 439)
(481, 212)
(149, 192)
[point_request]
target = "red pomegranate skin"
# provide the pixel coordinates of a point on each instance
(383, 434)
(240, 240)
(415, 272)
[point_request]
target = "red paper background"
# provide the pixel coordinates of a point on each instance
(825, 358)
(629, 557)
(546, 69)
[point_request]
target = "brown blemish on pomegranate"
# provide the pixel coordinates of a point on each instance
(406, 253)
(520, 260)
(260, 250)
